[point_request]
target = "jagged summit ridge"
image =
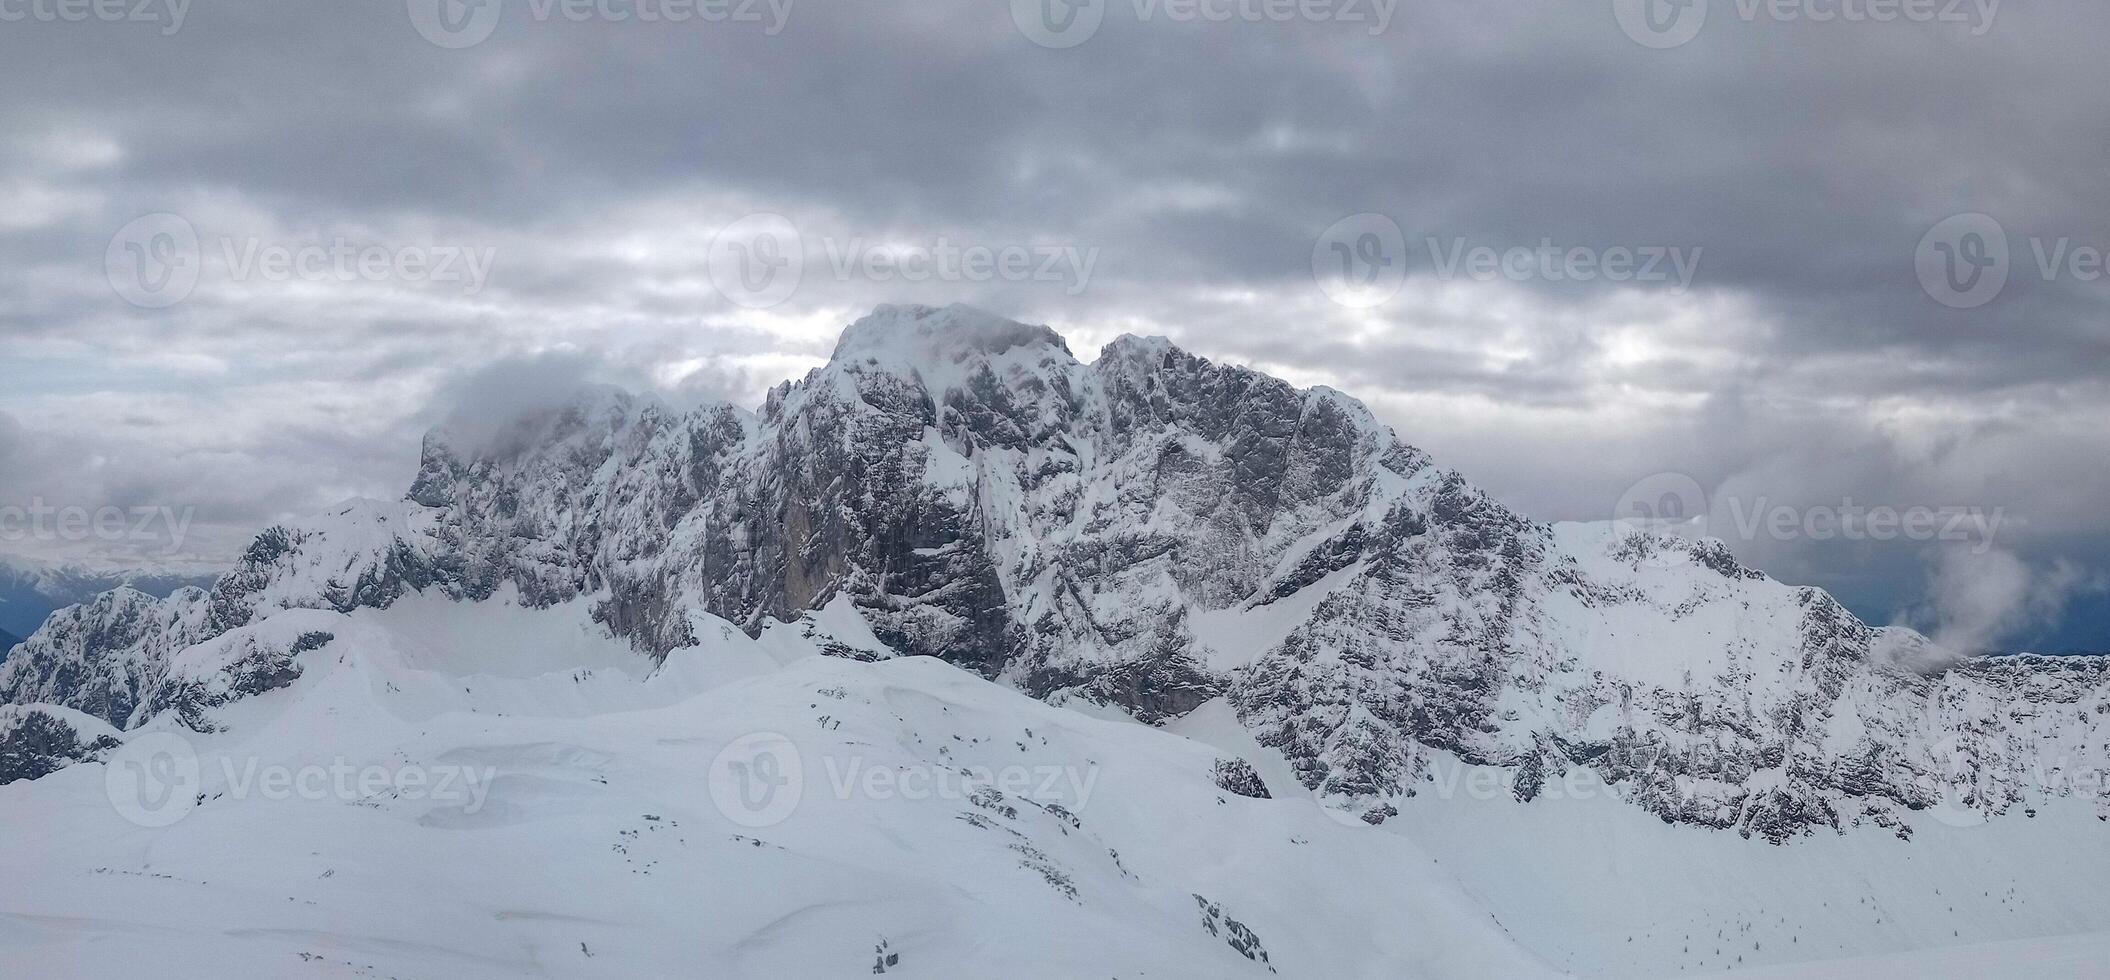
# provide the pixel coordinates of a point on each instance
(1151, 531)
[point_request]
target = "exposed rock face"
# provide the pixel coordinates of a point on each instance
(39, 739)
(1155, 531)
(102, 657)
(1237, 776)
(1232, 932)
(234, 666)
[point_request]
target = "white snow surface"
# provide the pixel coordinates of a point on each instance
(2052, 958)
(599, 849)
(585, 840)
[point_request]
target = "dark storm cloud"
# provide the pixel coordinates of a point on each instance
(1799, 163)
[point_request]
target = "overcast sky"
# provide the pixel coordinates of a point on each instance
(1590, 254)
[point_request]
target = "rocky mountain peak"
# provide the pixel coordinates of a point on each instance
(1150, 533)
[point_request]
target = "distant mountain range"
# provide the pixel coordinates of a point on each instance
(30, 589)
(1151, 532)
(1297, 702)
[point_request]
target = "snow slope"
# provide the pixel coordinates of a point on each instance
(2054, 958)
(1601, 889)
(601, 843)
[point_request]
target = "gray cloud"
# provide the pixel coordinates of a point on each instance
(1197, 161)
(1976, 601)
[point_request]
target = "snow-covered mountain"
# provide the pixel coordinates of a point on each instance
(32, 589)
(1148, 536)
(1153, 531)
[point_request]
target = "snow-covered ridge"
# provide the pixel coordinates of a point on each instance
(1151, 532)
